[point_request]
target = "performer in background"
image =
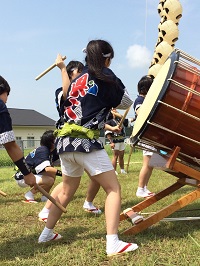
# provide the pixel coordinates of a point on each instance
(40, 161)
(7, 138)
(142, 191)
(90, 98)
(117, 140)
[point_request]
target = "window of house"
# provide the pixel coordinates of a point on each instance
(19, 141)
(30, 142)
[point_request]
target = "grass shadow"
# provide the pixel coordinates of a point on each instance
(26, 247)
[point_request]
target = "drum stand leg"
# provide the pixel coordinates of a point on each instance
(176, 168)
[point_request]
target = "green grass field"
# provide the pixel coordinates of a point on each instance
(83, 242)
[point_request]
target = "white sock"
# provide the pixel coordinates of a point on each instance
(140, 189)
(48, 235)
(29, 195)
(111, 241)
(44, 213)
(140, 192)
(46, 230)
(88, 205)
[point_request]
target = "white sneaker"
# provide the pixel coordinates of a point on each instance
(122, 247)
(149, 192)
(29, 196)
(123, 171)
(141, 193)
(89, 207)
(42, 217)
(94, 211)
(49, 237)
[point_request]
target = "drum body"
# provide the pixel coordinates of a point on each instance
(170, 113)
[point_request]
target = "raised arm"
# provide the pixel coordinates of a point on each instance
(65, 78)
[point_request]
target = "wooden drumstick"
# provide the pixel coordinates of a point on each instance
(48, 69)
(3, 193)
(51, 198)
(124, 116)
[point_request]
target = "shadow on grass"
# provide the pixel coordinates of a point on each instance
(167, 230)
(9, 200)
(27, 247)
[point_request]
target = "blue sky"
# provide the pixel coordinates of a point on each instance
(34, 32)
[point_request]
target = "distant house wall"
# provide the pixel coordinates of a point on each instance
(25, 132)
(30, 135)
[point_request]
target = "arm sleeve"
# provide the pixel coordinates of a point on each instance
(6, 132)
(126, 101)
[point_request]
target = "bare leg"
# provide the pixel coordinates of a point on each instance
(114, 159)
(54, 194)
(145, 172)
(111, 186)
(92, 190)
(46, 182)
(144, 176)
(121, 159)
(88, 205)
(70, 185)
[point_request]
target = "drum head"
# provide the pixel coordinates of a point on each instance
(155, 93)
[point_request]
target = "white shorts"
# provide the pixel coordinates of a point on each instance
(147, 153)
(96, 162)
(22, 183)
(119, 146)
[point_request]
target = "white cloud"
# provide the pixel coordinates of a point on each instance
(138, 56)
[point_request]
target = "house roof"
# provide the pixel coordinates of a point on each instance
(27, 117)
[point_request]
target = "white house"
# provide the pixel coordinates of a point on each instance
(29, 125)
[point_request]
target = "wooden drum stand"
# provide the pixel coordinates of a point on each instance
(186, 176)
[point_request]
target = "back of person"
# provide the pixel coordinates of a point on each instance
(88, 106)
(38, 159)
(91, 100)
